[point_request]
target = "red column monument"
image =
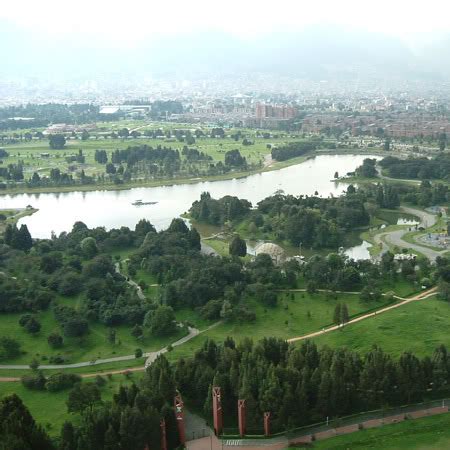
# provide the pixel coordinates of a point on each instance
(241, 417)
(267, 424)
(217, 410)
(162, 424)
(180, 418)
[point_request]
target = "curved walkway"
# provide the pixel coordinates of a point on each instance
(193, 332)
(395, 237)
(150, 356)
(421, 296)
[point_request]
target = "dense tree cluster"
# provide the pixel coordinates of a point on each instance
(292, 150)
(57, 141)
(313, 221)
(18, 430)
(417, 168)
(42, 115)
(74, 263)
(217, 212)
(367, 169)
(302, 384)
(12, 172)
(220, 287)
(130, 421)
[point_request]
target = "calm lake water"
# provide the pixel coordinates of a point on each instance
(113, 209)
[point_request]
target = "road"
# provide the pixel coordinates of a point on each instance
(395, 238)
(422, 296)
(151, 356)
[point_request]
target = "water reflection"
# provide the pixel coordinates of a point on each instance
(112, 209)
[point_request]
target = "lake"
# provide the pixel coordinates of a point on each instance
(113, 209)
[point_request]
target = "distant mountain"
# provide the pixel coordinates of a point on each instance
(314, 52)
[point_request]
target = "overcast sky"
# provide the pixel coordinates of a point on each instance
(134, 20)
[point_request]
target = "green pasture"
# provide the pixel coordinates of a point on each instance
(429, 433)
(418, 327)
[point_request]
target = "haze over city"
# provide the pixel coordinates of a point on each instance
(224, 226)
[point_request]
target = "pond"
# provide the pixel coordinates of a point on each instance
(113, 209)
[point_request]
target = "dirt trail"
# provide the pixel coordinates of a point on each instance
(421, 296)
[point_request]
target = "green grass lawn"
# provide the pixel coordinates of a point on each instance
(94, 345)
(418, 327)
(290, 318)
(429, 433)
(49, 409)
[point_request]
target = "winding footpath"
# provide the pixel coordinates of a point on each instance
(150, 356)
(193, 332)
(422, 296)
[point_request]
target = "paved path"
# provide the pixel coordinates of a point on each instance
(395, 237)
(150, 356)
(421, 296)
(193, 332)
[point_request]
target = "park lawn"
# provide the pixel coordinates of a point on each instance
(429, 433)
(93, 345)
(91, 369)
(287, 320)
(49, 408)
(418, 327)
(402, 288)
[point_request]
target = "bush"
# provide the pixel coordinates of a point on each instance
(35, 381)
(59, 381)
(57, 359)
(100, 381)
(55, 340)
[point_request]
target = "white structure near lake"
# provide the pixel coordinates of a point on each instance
(277, 254)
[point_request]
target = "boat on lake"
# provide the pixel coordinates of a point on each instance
(141, 203)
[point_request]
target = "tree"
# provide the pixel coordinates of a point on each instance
(89, 247)
(367, 169)
(57, 141)
(68, 437)
(178, 226)
(161, 321)
(194, 239)
(337, 314)
(387, 145)
(112, 336)
(138, 353)
(9, 347)
(123, 133)
(344, 314)
(32, 325)
(137, 331)
(83, 396)
(21, 238)
(110, 168)
(84, 135)
(237, 247)
(18, 430)
(55, 340)
(34, 364)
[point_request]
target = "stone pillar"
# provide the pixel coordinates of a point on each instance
(180, 418)
(217, 410)
(162, 424)
(267, 424)
(241, 417)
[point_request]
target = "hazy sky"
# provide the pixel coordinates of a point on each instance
(127, 22)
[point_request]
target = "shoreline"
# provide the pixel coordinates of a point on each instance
(276, 165)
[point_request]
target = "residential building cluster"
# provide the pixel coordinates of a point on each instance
(395, 125)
